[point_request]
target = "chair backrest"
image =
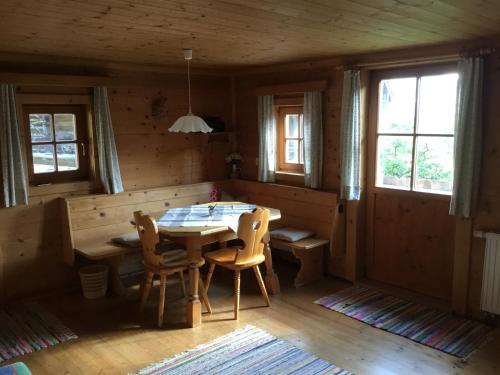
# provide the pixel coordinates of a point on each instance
(148, 233)
(251, 229)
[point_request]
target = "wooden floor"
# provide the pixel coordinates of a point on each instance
(115, 338)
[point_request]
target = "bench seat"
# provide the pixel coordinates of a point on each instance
(310, 253)
(98, 249)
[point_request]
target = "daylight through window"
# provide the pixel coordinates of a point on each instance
(415, 133)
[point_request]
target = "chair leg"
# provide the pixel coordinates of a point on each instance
(148, 282)
(237, 280)
(181, 280)
(209, 276)
(261, 284)
(161, 305)
(204, 296)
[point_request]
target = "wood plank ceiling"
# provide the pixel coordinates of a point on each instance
(236, 33)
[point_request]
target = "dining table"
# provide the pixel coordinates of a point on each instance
(203, 224)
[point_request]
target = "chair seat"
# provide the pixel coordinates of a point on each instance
(173, 261)
(226, 258)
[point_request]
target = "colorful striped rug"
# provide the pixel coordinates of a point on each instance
(248, 350)
(27, 327)
(436, 329)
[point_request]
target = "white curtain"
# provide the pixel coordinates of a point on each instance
(267, 138)
(468, 136)
(109, 168)
(13, 170)
(350, 137)
(313, 139)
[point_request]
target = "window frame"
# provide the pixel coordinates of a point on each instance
(378, 77)
(282, 165)
(81, 141)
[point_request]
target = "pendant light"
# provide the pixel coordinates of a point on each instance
(189, 123)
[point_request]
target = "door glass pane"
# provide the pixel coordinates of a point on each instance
(436, 113)
(67, 157)
(394, 155)
(434, 165)
(65, 124)
(43, 158)
(292, 126)
(291, 151)
(41, 127)
(396, 108)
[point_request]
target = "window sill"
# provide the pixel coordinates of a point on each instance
(61, 188)
(289, 173)
(290, 178)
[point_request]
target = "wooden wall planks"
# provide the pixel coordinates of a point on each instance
(488, 215)
(246, 103)
(236, 33)
(30, 236)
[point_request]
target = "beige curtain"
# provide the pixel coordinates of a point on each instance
(350, 136)
(313, 139)
(468, 136)
(15, 191)
(109, 167)
(267, 138)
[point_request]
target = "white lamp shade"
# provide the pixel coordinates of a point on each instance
(190, 124)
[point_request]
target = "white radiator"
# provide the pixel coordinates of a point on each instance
(490, 293)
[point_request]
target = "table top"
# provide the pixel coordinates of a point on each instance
(206, 230)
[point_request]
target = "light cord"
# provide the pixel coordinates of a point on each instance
(189, 90)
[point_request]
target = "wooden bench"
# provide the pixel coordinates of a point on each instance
(311, 254)
(303, 208)
(91, 221)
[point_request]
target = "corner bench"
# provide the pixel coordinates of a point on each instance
(91, 221)
(310, 253)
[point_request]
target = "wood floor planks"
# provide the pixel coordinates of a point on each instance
(115, 338)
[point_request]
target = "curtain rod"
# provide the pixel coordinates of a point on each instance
(395, 63)
(401, 62)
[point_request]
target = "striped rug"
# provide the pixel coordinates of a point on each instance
(436, 329)
(27, 327)
(248, 350)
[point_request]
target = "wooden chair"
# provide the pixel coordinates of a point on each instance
(251, 230)
(161, 264)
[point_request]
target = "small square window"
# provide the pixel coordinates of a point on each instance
(58, 142)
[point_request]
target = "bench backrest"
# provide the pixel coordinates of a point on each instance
(104, 216)
(319, 211)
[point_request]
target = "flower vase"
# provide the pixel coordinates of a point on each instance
(235, 171)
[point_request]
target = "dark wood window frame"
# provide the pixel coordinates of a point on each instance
(81, 142)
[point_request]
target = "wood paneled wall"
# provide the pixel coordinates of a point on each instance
(246, 115)
(30, 236)
(488, 215)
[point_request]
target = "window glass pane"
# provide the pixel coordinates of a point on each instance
(41, 127)
(301, 149)
(292, 126)
(292, 151)
(437, 98)
(396, 109)
(65, 124)
(67, 157)
(43, 158)
(434, 164)
(394, 155)
(301, 126)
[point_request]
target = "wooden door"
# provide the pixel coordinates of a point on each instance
(409, 231)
